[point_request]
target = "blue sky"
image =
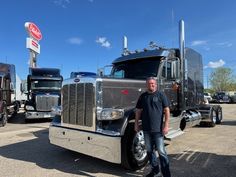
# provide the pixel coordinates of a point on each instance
(83, 35)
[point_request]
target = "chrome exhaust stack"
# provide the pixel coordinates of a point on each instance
(125, 46)
(184, 77)
(181, 40)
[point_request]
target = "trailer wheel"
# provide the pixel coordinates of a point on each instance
(133, 152)
(219, 116)
(4, 117)
(213, 117)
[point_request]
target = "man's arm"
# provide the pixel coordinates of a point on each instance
(137, 118)
(166, 122)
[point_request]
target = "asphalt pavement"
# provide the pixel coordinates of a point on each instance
(25, 151)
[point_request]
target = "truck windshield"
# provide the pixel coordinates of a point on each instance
(45, 84)
(136, 69)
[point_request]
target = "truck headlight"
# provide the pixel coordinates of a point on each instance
(110, 114)
(56, 110)
(29, 107)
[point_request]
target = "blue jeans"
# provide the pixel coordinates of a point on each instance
(155, 141)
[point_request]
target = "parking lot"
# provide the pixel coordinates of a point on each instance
(25, 151)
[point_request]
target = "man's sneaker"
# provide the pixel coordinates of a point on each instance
(154, 174)
(151, 174)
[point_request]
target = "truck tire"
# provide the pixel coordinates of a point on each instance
(16, 109)
(213, 117)
(4, 117)
(219, 116)
(133, 151)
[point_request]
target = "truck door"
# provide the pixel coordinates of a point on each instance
(169, 83)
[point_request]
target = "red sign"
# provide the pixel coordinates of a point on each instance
(33, 45)
(33, 30)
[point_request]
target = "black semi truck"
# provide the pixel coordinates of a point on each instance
(43, 92)
(97, 113)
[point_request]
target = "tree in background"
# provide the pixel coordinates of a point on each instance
(222, 79)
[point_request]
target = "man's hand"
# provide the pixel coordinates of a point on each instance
(167, 118)
(165, 130)
(136, 127)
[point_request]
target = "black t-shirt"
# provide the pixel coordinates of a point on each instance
(152, 105)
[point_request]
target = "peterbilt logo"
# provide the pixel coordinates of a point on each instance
(76, 80)
(33, 31)
(125, 92)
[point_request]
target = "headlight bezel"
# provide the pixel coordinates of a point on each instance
(29, 108)
(109, 114)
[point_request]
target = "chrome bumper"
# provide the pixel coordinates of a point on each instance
(39, 115)
(104, 147)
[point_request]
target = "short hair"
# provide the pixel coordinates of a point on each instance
(151, 78)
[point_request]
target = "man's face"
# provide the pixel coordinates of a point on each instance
(152, 85)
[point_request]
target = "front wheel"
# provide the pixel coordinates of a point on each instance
(213, 117)
(134, 154)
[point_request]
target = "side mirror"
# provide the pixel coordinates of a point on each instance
(105, 71)
(23, 86)
(100, 72)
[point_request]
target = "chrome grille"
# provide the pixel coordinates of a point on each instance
(46, 102)
(78, 104)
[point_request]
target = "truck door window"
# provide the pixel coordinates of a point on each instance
(166, 71)
(170, 69)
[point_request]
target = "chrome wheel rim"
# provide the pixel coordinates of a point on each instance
(138, 147)
(214, 116)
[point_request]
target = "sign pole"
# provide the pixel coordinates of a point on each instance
(33, 59)
(32, 44)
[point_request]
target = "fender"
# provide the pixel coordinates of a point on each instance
(129, 118)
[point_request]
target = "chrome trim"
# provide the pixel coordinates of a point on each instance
(82, 80)
(108, 132)
(38, 115)
(45, 102)
(111, 110)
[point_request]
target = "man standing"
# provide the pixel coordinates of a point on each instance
(150, 108)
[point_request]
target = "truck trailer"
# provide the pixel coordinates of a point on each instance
(43, 92)
(8, 104)
(97, 113)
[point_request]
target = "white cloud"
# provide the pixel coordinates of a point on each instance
(104, 42)
(225, 44)
(62, 3)
(207, 48)
(75, 40)
(215, 64)
(198, 42)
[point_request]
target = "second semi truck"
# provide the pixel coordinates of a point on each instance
(43, 92)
